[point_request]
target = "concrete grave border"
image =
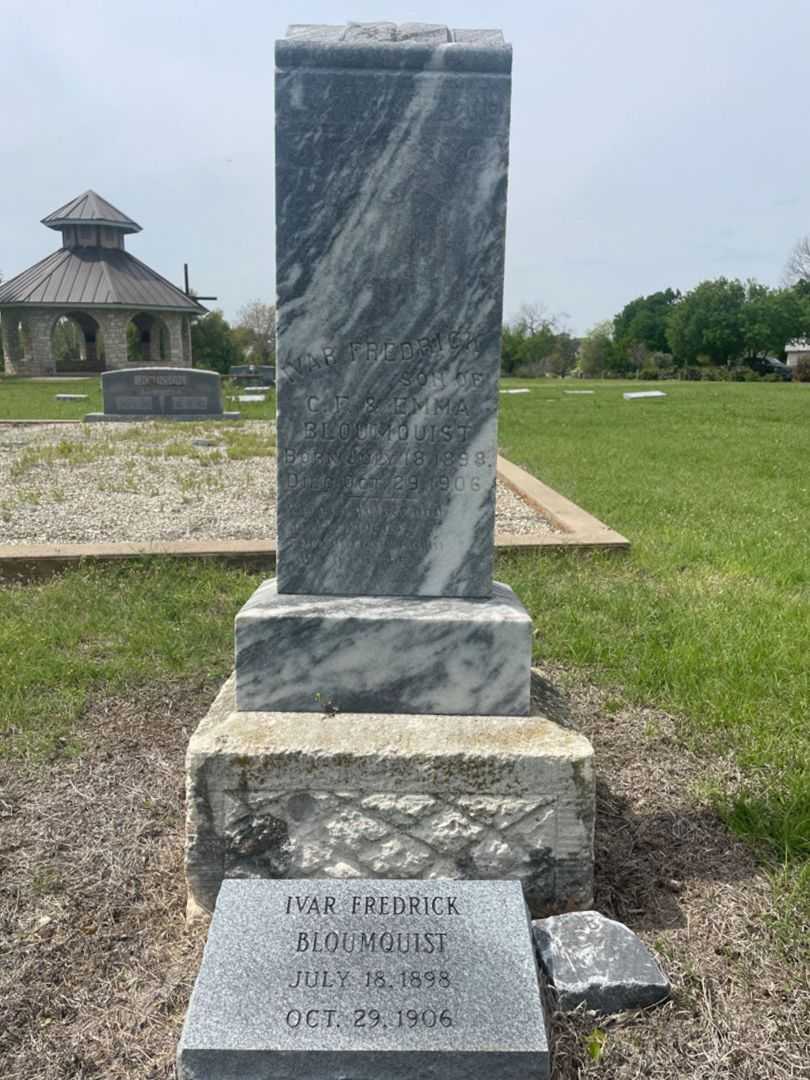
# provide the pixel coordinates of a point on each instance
(578, 529)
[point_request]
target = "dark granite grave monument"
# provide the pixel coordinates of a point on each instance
(367, 979)
(161, 393)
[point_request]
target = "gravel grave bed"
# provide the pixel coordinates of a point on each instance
(149, 482)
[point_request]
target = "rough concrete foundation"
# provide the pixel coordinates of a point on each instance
(310, 795)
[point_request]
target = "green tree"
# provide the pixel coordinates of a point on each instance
(708, 322)
(533, 344)
(772, 317)
(511, 345)
(643, 322)
(255, 331)
(212, 343)
(597, 353)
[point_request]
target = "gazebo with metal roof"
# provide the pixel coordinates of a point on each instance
(94, 282)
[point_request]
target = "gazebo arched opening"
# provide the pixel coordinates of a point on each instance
(77, 343)
(147, 339)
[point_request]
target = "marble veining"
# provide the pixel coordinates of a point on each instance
(387, 654)
(391, 201)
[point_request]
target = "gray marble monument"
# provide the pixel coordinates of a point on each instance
(391, 170)
(161, 393)
(379, 720)
(367, 979)
(391, 167)
(404, 655)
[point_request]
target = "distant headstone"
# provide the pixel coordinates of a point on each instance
(390, 244)
(644, 394)
(71, 397)
(251, 397)
(522, 391)
(164, 393)
(577, 391)
(367, 979)
(252, 374)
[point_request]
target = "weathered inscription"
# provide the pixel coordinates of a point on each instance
(386, 435)
(391, 188)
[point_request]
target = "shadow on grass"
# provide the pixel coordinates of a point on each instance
(653, 837)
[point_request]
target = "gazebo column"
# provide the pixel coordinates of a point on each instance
(174, 323)
(154, 341)
(40, 325)
(114, 327)
(12, 342)
(187, 361)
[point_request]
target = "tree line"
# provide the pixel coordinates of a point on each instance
(722, 326)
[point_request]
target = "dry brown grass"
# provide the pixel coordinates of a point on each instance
(667, 867)
(96, 965)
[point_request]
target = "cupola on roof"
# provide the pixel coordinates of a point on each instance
(90, 209)
(92, 268)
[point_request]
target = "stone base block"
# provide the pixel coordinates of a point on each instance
(384, 654)
(197, 418)
(308, 795)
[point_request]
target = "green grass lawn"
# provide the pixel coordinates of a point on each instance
(708, 616)
(30, 399)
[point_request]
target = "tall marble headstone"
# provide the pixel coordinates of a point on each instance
(378, 722)
(391, 169)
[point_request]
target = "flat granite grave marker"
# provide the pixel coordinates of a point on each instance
(391, 169)
(367, 979)
(161, 393)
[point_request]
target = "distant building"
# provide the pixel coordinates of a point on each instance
(797, 350)
(103, 290)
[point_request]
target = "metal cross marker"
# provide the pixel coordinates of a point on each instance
(187, 289)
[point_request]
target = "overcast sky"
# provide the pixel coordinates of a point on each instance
(654, 143)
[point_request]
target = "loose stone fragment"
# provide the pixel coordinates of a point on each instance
(592, 960)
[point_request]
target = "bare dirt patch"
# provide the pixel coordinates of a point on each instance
(96, 965)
